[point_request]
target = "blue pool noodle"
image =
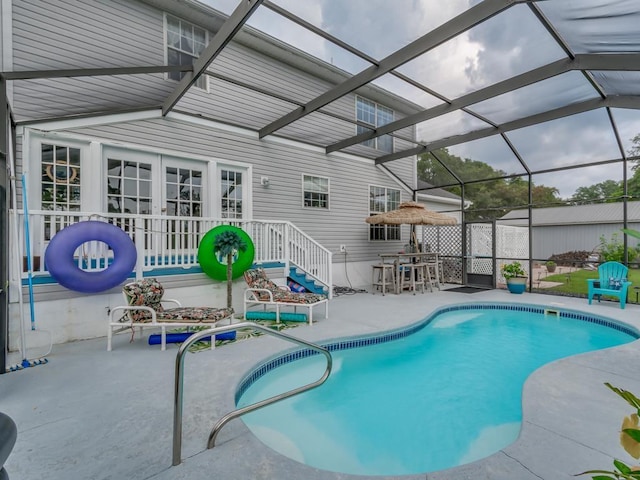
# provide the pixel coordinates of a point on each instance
(286, 316)
(156, 338)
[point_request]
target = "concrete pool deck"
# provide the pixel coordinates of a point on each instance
(93, 414)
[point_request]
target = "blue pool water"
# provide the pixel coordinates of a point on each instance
(447, 393)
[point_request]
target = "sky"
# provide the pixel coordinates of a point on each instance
(508, 44)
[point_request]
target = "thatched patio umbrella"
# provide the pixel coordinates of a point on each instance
(411, 213)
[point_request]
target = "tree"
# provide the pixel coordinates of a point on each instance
(228, 244)
(490, 199)
(608, 191)
(635, 148)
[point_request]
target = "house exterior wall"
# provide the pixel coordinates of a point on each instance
(69, 34)
(212, 128)
(283, 162)
(116, 33)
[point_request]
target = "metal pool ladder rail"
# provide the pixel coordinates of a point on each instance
(178, 392)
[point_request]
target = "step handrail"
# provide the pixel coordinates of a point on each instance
(179, 377)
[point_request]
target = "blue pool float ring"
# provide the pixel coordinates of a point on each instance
(64, 268)
(216, 267)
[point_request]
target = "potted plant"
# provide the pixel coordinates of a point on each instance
(516, 277)
(551, 266)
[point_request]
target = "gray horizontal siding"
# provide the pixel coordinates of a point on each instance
(77, 34)
(116, 33)
(234, 104)
(240, 63)
(318, 128)
(284, 165)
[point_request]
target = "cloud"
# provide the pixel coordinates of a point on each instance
(508, 44)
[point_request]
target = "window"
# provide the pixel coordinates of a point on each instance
(315, 191)
(60, 181)
(374, 115)
(183, 192)
(185, 42)
(231, 194)
(382, 199)
(128, 187)
(60, 186)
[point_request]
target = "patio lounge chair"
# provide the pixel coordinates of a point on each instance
(263, 291)
(612, 281)
(144, 309)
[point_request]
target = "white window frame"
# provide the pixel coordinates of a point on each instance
(136, 156)
(186, 164)
(327, 192)
(377, 110)
(203, 81)
(384, 230)
(33, 150)
(246, 186)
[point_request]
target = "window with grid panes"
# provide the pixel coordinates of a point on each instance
(60, 186)
(231, 194)
(315, 191)
(60, 181)
(128, 187)
(374, 115)
(183, 192)
(185, 42)
(382, 199)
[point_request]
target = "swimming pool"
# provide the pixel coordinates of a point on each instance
(440, 393)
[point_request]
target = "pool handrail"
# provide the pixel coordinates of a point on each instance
(179, 377)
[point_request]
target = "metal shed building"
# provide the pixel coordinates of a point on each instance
(558, 230)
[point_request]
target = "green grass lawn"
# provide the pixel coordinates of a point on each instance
(576, 282)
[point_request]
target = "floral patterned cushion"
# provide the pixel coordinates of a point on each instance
(257, 278)
(194, 314)
(149, 292)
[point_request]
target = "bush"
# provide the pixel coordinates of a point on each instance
(613, 250)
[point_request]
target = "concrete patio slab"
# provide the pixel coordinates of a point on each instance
(93, 414)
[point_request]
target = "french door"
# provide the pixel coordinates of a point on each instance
(144, 183)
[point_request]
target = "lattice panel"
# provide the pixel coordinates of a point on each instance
(452, 269)
(512, 242)
(480, 240)
(482, 266)
(444, 239)
(480, 244)
(447, 241)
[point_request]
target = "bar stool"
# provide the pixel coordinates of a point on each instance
(413, 273)
(383, 276)
(433, 271)
(431, 275)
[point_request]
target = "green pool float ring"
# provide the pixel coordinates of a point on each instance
(214, 265)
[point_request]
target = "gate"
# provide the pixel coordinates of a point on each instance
(479, 254)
